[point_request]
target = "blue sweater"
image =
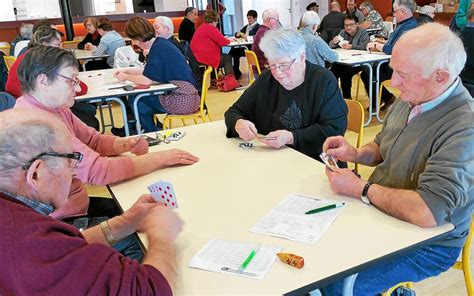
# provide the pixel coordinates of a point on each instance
(401, 28)
(165, 62)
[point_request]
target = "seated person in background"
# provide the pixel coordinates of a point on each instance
(93, 37)
(271, 21)
(332, 23)
(109, 41)
(248, 30)
(207, 43)
(426, 14)
(48, 76)
(313, 6)
(49, 257)
(26, 32)
(317, 51)
(296, 103)
(373, 20)
(187, 28)
(354, 38)
(354, 12)
(403, 11)
(36, 26)
(430, 128)
(164, 28)
(47, 36)
(165, 64)
(467, 35)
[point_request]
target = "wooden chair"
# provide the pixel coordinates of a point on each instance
(355, 121)
(5, 47)
(394, 91)
(252, 61)
(464, 265)
(9, 60)
(202, 113)
(70, 44)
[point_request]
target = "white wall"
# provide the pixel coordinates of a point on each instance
(171, 5)
(6, 13)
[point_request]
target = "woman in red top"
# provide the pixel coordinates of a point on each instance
(207, 42)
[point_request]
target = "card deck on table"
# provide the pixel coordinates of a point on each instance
(329, 161)
(163, 192)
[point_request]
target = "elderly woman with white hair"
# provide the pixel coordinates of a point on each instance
(296, 103)
(317, 51)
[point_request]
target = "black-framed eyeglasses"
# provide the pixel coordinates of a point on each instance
(281, 67)
(72, 81)
(75, 156)
(349, 25)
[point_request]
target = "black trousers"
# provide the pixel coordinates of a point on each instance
(86, 113)
(345, 74)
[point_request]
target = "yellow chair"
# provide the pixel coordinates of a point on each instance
(355, 121)
(201, 113)
(5, 47)
(9, 60)
(464, 265)
(252, 61)
(393, 90)
(70, 44)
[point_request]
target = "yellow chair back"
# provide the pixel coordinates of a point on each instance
(70, 44)
(252, 61)
(355, 121)
(9, 60)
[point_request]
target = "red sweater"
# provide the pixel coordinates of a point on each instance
(43, 256)
(206, 45)
(13, 85)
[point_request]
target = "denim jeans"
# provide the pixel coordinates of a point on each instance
(412, 267)
(147, 107)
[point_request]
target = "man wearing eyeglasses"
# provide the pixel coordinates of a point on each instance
(43, 256)
(352, 37)
(295, 103)
(271, 21)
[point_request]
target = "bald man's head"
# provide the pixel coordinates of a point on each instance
(335, 6)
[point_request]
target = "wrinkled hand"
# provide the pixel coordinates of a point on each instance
(335, 40)
(120, 76)
(175, 157)
(138, 145)
(88, 46)
(346, 46)
(246, 129)
(339, 148)
(162, 223)
(277, 139)
(370, 46)
(134, 217)
(344, 181)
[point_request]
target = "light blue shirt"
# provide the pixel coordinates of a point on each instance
(39, 207)
(427, 106)
(108, 44)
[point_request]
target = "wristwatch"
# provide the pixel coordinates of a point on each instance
(364, 196)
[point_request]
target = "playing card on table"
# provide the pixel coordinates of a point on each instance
(163, 192)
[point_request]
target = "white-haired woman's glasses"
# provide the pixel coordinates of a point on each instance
(282, 67)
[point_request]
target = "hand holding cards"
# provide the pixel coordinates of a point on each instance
(163, 192)
(330, 161)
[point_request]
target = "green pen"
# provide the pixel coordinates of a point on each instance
(247, 261)
(322, 209)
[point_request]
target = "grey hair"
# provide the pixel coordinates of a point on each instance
(269, 13)
(443, 49)
(310, 19)
(281, 43)
(26, 30)
(168, 23)
(367, 5)
(408, 4)
(19, 143)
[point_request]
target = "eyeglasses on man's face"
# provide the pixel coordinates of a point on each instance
(350, 25)
(282, 67)
(72, 81)
(75, 158)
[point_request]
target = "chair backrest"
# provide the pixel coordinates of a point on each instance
(355, 121)
(70, 44)
(206, 82)
(7, 101)
(5, 47)
(9, 60)
(19, 47)
(125, 57)
(252, 61)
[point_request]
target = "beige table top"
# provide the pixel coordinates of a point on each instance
(83, 54)
(352, 56)
(230, 189)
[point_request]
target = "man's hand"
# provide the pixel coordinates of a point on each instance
(138, 145)
(335, 40)
(121, 76)
(134, 217)
(339, 148)
(246, 129)
(88, 46)
(346, 46)
(175, 157)
(277, 139)
(344, 181)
